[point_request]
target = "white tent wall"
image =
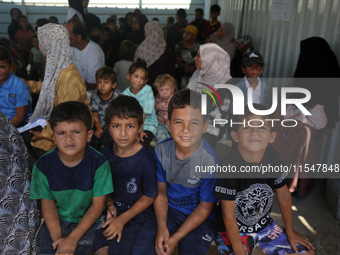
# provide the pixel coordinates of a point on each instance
(279, 41)
(43, 9)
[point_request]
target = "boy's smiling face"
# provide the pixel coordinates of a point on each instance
(253, 141)
(187, 127)
(71, 139)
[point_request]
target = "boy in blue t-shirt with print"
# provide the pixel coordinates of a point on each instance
(134, 177)
(185, 202)
(71, 181)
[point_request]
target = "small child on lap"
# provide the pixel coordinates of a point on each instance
(165, 85)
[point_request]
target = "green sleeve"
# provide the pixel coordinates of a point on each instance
(40, 187)
(103, 180)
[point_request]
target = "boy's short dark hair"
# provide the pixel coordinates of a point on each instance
(247, 114)
(183, 98)
(106, 73)
(124, 107)
(78, 27)
(110, 20)
(71, 111)
(5, 55)
(215, 8)
(171, 19)
(127, 50)
(54, 18)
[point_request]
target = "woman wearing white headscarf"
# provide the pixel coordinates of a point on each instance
(154, 52)
(213, 67)
(224, 38)
(62, 81)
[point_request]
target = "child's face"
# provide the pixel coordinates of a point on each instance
(220, 33)
(167, 90)
(71, 139)
(23, 22)
(214, 15)
(198, 60)
(253, 71)
(187, 127)
(104, 36)
(112, 26)
(105, 86)
(253, 140)
(188, 37)
(5, 69)
(35, 42)
(137, 79)
(124, 131)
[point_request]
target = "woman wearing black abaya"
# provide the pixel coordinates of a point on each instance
(316, 71)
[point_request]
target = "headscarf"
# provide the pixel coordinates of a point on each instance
(55, 45)
(138, 36)
(154, 45)
(14, 26)
(215, 67)
(227, 42)
(317, 60)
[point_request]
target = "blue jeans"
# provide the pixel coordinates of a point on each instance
(162, 133)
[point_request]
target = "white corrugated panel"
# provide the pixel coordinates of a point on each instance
(279, 41)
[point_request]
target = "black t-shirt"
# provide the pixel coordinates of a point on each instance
(253, 197)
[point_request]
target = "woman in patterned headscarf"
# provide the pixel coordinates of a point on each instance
(19, 216)
(62, 81)
(154, 52)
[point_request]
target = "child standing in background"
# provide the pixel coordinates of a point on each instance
(36, 60)
(23, 38)
(106, 83)
(252, 66)
(165, 85)
(138, 77)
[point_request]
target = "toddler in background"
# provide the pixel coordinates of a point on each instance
(138, 77)
(106, 79)
(36, 60)
(165, 85)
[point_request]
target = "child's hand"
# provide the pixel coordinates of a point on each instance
(111, 212)
(296, 238)
(171, 247)
(141, 135)
(99, 133)
(115, 228)
(36, 135)
(64, 246)
(162, 242)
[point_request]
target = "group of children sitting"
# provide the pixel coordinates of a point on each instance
(102, 202)
(121, 200)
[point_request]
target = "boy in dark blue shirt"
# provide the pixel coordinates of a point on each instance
(134, 176)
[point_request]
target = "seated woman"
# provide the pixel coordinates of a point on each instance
(302, 144)
(154, 52)
(62, 82)
(213, 67)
